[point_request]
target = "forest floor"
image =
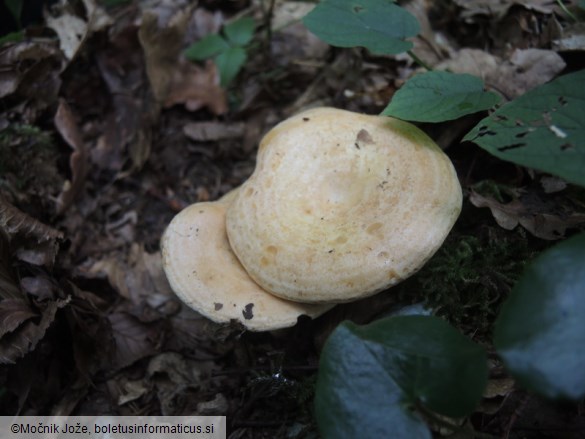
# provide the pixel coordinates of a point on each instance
(107, 132)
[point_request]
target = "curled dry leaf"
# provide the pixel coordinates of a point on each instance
(16, 344)
(531, 213)
(69, 130)
(174, 80)
(14, 221)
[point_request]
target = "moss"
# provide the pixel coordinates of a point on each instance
(470, 276)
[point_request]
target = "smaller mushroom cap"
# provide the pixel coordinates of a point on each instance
(342, 205)
(206, 275)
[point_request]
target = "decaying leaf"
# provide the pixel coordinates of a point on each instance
(13, 221)
(69, 130)
(525, 70)
(31, 64)
(536, 216)
(174, 80)
(137, 276)
(72, 30)
(572, 38)
(128, 128)
(13, 313)
(471, 8)
(16, 344)
(9, 288)
(133, 339)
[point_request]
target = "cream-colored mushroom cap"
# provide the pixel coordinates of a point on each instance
(342, 205)
(205, 274)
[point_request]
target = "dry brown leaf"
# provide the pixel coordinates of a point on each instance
(174, 80)
(174, 367)
(13, 313)
(129, 125)
(525, 70)
(13, 221)
(131, 391)
(72, 30)
(138, 276)
(25, 62)
(9, 287)
(196, 87)
(498, 387)
(134, 340)
(20, 342)
(531, 213)
(472, 61)
(572, 38)
(69, 130)
(499, 8)
(42, 288)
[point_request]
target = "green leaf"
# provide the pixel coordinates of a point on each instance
(12, 37)
(540, 332)
(15, 8)
(229, 63)
(582, 4)
(241, 31)
(438, 96)
(372, 377)
(378, 25)
(543, 129)
(205, 48)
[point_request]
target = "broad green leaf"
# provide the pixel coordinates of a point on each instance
(543, 129)
(229, 62)
(372, 377)
(15, 8)
(241, 31)
(582, 4)
(540, 332)
(378, 25)
(438, 96)
(207, 47)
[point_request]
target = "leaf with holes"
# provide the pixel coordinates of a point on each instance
(439, 96)
(540, 332)
(378, 25)
(543, 129)
(372, 378)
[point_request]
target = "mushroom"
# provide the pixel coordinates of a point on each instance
(205, 274)
(342, 205)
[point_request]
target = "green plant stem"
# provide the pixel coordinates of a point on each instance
(419, 61)
(566, 11)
